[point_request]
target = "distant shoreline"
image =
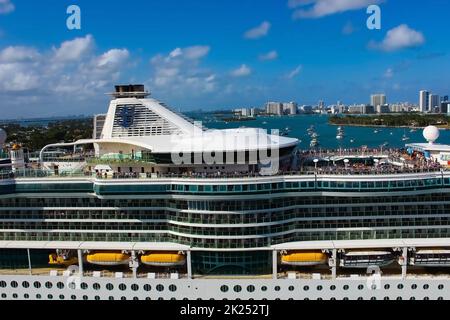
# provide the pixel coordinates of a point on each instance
(383, 126)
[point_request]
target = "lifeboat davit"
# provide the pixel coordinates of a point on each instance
(304, 258)
(163, 259)
(108, 258)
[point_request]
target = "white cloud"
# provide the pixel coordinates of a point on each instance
(295, 72)
(18, 54)
(74, 49)
(321, 8)
(113, 58)
(54, 72)
(6, 6)
(258, 32)
(179, 72)
(242, 71)
(398, 38)
(272, 55)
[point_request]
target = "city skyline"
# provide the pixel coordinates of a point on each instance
(217, 55)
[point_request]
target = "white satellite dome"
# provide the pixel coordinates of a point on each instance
(431, 134)
(3, 136)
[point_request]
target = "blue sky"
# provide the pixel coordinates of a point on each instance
(218, 54)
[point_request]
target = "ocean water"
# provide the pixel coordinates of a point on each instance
(361, 136)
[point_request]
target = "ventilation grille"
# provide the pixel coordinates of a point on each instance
(139, 121)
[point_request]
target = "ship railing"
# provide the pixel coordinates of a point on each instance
(306, 171)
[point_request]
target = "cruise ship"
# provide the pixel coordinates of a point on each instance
(157, 207)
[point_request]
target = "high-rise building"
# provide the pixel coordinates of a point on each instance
(290, 108)
(445, 107)
(434, 104)
(424, 100)
(274, 108)
(377, 100)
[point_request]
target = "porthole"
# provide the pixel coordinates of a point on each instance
(84, 285)
(264, 288)
(25, 284)
(277, 288)
(134, 287)
(123, 298)
(360, 298)
(161, 298)
(159, 287)
(305, 288)
(96, 286)
(61, 297)
(14, 284)
(237, 288)
(147, 287)
(172, 288)
(373, 298)
(60, 285)
(345, 287)
(360, 287)
(319, 288)
(414, 286)
(440, 298)
(73, 297)
(37, 284)
(109, 286)
(332, 288)
(135, 298)
(97, 298)
(426, 298)
(224, 288)
(332, 298)
(400, 286)
(441, 287)
(426, 286)
(38, 296)
(85, 297)
(4, 295)
(345, 298)
(251, 288)
(110, 298)
(387, 287)
(122, 287)
(48, 285)
(386, 298)
(15, 295)
(3, 284)
(412, 298)
(399, 298)
(291, 288)
(50, 297)
(148, 298)
(26, 295)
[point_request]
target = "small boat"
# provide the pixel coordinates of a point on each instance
(340, 136)
(304, 258)
(405, 138)
(376, 131)
(314, 135)
(108, 258)
(163, 259)
(413, 130)
(364, 259)
(314, 143)
(352, 140)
